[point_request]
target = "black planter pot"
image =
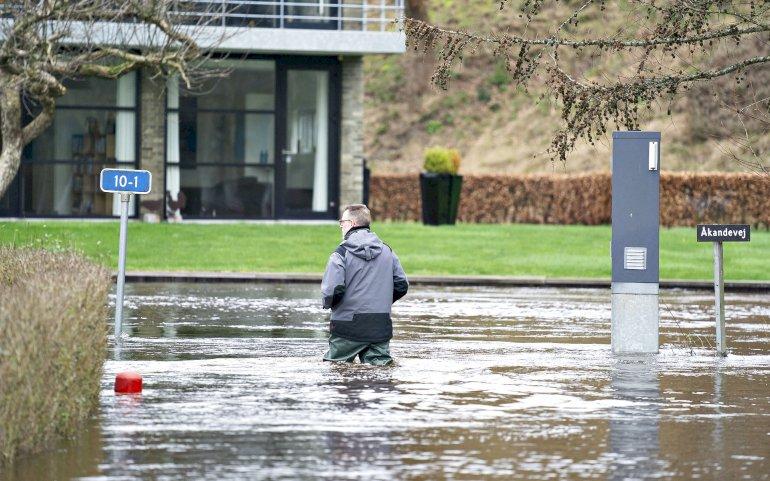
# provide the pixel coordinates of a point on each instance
(440, 195)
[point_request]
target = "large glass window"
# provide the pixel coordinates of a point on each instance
(94, 127)
(220, 144)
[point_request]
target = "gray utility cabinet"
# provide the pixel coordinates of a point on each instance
(635, 241)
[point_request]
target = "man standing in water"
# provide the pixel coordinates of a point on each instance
(362, 280)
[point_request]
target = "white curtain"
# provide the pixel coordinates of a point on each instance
(250, 129)
(42, 193)
(65, 126)
(125, 131)
(294, 140)
(172, 140)
(321, 170)
(62, 181)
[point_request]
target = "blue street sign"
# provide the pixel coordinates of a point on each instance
(125, 181)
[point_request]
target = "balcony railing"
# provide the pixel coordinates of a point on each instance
(361, 15)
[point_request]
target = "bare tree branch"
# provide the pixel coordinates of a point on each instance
(40, 122)
(45, 43)
(666, 50)
(417, 28)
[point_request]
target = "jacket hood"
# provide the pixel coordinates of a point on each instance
(363, 243)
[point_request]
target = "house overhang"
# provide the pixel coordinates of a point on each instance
(306, 41)
(238, 39)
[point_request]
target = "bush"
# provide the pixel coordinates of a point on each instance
(500, 77)
(482, 94)
(685, 199)
(433, 126)
(440, 160)
(52, 345)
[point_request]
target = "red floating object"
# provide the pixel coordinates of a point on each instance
(128, 382)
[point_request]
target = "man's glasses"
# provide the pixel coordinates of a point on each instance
(344, 220)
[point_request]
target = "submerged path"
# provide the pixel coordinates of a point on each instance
(490, 383)
(471, 281)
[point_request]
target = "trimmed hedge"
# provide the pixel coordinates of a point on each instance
(53, 343)
(685, 199)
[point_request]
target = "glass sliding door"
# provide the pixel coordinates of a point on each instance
(220, 154)
(260, 143)
(307, 167)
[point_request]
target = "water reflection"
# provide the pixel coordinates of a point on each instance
(358, 388)
(718, 434)
(68, 459)
(635, 425)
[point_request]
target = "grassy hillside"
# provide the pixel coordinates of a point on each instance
(501, 128)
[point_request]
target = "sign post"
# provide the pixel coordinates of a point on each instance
(719, 297)
(718, 233)
(123, 182)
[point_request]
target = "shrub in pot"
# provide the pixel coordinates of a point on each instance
(440, 186)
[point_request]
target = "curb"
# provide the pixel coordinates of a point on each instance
(481, 281)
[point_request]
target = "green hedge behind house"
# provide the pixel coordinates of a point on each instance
(53, 338)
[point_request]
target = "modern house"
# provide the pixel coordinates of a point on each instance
(280, 137)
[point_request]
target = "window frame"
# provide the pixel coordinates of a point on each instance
(272, 166)
(27, 161)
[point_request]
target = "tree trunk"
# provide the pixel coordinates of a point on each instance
(12, 137)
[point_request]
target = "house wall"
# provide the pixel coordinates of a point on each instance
(153, 129)
(352, 132)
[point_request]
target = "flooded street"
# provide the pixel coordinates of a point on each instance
(489, 383)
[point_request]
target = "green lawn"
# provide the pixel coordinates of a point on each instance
(511, 250)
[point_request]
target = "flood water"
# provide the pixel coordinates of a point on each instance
(504, 383)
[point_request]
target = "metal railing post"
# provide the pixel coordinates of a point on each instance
(124, 201)
(390, 11)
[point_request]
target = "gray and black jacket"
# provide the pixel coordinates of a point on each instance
(362, 279)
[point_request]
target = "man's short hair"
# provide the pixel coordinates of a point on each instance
(359, 214)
